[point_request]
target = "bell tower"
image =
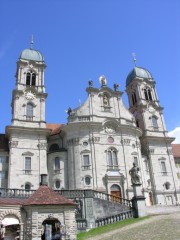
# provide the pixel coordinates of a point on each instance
(155, 142)
(27, 133)
(28, 100)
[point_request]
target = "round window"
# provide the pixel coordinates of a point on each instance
(110, 139)
(57, 184)
(87, 180)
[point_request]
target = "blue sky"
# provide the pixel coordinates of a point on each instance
(83, 39)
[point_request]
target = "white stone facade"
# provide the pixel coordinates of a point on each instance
(98, 146)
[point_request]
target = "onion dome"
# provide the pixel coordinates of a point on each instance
(31, 54)
(138, 72)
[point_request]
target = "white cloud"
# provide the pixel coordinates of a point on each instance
(175, 133)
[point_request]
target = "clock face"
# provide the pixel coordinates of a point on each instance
(29, 94)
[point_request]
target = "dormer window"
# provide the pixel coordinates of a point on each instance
(30, 79)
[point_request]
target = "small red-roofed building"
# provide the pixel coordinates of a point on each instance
(44, 212)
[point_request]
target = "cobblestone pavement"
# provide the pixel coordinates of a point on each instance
(160, 227)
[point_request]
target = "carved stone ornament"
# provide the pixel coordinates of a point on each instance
(73, 141)
(13, 143)
(51, 215)
(42, 146)
(126, 141)
(109, 129)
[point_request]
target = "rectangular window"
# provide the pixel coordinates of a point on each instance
(2, 175)
(86, 162)
(163, 168)
(27, 165)
(57, 165)
(154, 122)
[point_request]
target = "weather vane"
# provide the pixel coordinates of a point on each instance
(32, 42)
(134, 58)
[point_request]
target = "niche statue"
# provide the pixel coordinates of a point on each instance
(135, 178)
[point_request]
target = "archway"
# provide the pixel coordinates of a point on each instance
(116, 192)
(10, 228)
(51, 229)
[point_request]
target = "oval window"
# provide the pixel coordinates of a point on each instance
(57, 184)
(85, 144)
(87, 180)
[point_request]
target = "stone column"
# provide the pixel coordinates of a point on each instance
(138, 202)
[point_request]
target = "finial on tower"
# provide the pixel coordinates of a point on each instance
(32, 42)
(134, 58)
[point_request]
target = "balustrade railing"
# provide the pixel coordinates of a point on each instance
(114, 218)
(71, 194)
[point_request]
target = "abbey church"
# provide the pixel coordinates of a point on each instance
(98, 145)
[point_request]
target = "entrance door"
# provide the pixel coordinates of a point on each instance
(116, 192)
(150, 198)
(51, 229)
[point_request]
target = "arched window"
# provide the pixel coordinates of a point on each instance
(154, 122)
(57, 164)
(33, 79)
(147, 94)
(30, 79)
(54, 147)
(29, 112)
(112, 158)
(134, 98)
(57, 184)
(27, 186)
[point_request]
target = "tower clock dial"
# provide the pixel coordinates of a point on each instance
(29, 94)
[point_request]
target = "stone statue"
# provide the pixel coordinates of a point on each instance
(135, 178)
(90, 83)
(116, 87)
(69, 111)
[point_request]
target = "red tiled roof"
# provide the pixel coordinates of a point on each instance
(11, 201)
(46, 196)
(176, 150)
(3, 143)
(55, 128)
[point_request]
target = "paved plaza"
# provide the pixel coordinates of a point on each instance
(164, 224)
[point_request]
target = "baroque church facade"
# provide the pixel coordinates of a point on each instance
(99, 144)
